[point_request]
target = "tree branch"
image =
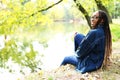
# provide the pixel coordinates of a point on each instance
(41, 10)
(102, 7)
(45, 9)
(83, 11)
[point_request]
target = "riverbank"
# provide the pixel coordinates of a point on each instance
(68, 72)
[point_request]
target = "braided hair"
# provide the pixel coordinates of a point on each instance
(108, 38)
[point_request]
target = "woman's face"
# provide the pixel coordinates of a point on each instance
(94, 19)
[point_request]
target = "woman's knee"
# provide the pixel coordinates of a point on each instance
(70, 60)
(78, 37)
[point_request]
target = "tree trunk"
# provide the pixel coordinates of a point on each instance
(84, 12)
(102, 7)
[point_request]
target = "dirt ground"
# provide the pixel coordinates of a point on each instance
(68, 72)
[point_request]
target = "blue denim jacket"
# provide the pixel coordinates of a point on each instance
(91, 50)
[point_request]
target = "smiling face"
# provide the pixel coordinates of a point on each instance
(95, 19)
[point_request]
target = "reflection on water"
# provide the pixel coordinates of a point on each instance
(59, 45)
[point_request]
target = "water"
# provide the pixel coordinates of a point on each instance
(59, 45)
(6, 75)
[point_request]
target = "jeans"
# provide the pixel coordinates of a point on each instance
(77, 40)
(73, 59)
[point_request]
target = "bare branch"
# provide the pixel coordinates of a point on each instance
(46, 8)
(42, 10)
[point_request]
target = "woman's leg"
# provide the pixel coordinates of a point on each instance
(77, 40)
(70, 60)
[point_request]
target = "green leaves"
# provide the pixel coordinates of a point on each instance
(21, 53)
(18, 15)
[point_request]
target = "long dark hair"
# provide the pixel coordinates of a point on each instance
(108, 38)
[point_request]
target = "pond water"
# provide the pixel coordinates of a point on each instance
(59, 45)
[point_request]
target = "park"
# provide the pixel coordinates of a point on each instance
(35, 36)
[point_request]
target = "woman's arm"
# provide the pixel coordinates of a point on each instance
(87, 44)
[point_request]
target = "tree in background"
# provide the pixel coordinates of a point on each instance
(17, 17)
(102, 7)
(84, 12)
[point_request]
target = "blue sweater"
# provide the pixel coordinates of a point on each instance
(91, 50)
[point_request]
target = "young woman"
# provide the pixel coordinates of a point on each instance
(94, 49)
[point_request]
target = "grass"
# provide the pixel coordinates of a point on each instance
(115, 30)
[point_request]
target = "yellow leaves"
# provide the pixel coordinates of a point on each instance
(20, 15)
(30, 53)
(41, 3)
(40, 73)
(5, 1)
(4, 16)
(66, 1)
(30, 7)
(18, 79)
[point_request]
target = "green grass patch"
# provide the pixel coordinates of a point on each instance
(115, 30)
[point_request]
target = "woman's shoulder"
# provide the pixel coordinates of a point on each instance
(97, 30)
(93, 31)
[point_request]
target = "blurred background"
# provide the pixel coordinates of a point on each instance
(37, 34)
